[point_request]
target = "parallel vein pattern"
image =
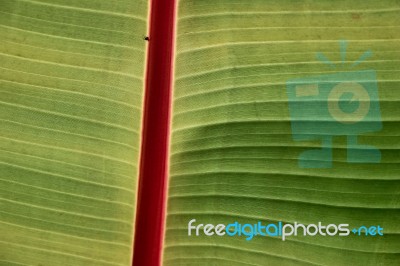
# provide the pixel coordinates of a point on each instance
(71, 81)
(233, 157)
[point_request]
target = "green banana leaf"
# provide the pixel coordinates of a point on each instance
(71, 81)
(232, 153)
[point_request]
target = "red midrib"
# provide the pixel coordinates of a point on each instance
(150, 211)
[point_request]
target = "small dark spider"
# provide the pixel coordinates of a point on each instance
(146, 38)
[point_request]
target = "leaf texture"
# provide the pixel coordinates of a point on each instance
(71, 81)
(232, 155)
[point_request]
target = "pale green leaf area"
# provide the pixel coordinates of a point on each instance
(71, 81)
(233, 157)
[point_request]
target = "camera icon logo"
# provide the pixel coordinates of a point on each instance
(339, 104)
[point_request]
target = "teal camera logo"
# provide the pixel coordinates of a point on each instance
(339, 104)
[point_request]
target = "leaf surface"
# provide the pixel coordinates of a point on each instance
(232, 153)
(71, 81)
